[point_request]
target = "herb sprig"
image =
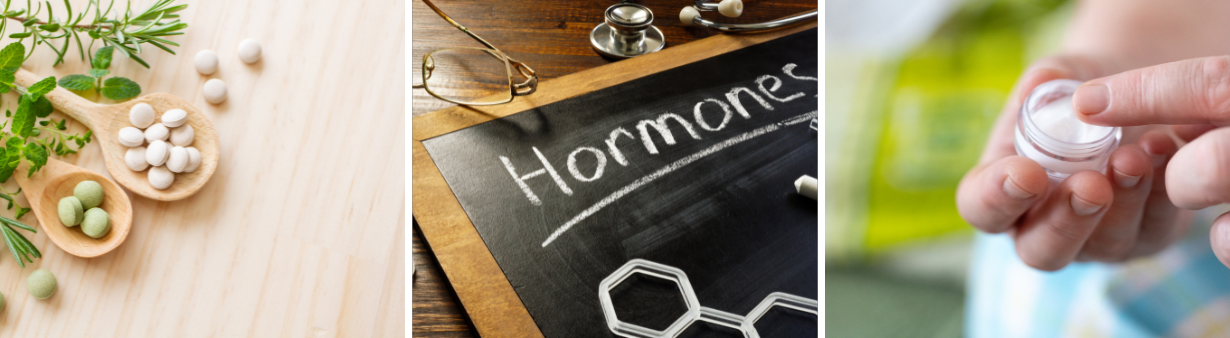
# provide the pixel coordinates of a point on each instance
(125, 31)
(115, 88)
(22, 142)
(19, 246)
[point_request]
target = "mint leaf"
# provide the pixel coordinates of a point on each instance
(37, 155)
(102, 58)
(118, 88)
(99, 73)
(6, 170)
(41, 108)
(77, 82)
(42, 87)
(21, 211)
(12, 56)
(23, 120)
(10, 61)
(12, 156)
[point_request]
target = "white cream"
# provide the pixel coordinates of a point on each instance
(1058, 120)
(1049, 133)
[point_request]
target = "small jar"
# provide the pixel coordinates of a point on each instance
(1047, 131)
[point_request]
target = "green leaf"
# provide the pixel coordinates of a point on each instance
(98, 73)
(12, 56)
(77, 82)
(8, 198)
(22, 212)
(10, 60)
(37, 155)
(118, 88)
(23, 120)
(41, 108)
(42, 87)
(102, 58)
(51, 27)
(19, 35)
(6, 168)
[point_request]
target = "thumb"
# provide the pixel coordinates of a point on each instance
(1194, 91)
(1219, 237)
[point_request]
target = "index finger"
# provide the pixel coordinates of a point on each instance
(1194, 91)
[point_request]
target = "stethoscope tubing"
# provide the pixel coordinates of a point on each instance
(752, 27)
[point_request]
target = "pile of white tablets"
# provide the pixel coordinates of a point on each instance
(206, 63)
(148, 145)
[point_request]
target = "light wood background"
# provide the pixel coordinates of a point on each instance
(300, 232)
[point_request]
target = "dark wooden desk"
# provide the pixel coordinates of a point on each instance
(552, 37)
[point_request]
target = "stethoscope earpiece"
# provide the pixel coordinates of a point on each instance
(629, 31)
(732, 9)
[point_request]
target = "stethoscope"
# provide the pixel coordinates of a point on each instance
(628, 28)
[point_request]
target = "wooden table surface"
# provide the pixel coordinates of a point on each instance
(300, 232)
(551, 36)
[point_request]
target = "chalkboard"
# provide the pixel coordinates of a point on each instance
(692, 167)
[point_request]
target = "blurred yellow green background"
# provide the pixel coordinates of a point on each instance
(911, 91)
(904, 123)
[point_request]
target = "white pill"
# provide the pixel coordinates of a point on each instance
(156, 132)
(156, 153)
(135, 159)
(194, 159)
(182, 136)
(141, 115)
(731, 8)
(214, 91)
(174, 118)
(178, 160)
(806, 186)
(131, 137)
(687, 14)
(206, 62)
(249, 51)
(161, 178)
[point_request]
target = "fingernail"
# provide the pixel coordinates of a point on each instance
(1126, 181)
(1015, 191)
(1092, 99)
(1083, 207)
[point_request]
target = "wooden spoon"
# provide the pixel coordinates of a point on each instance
(56, 180)
(107, 120)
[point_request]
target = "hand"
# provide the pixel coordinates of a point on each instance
(1089, 216)
(1194, 96)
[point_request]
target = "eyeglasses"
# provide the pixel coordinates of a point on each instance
(474, 76)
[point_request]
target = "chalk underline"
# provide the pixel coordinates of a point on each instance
(672, 167)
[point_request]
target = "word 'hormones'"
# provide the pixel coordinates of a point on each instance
(767, 85)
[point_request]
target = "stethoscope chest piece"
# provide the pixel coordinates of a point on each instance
(627, 32)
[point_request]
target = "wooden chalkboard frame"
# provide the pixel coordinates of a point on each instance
(484, 291)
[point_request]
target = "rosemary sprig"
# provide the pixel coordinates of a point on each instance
(126, 31)
(21, 247)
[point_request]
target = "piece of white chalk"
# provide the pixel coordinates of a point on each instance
(806, 186)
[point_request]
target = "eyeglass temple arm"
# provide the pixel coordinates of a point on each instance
(525, 88)
(459, 26)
